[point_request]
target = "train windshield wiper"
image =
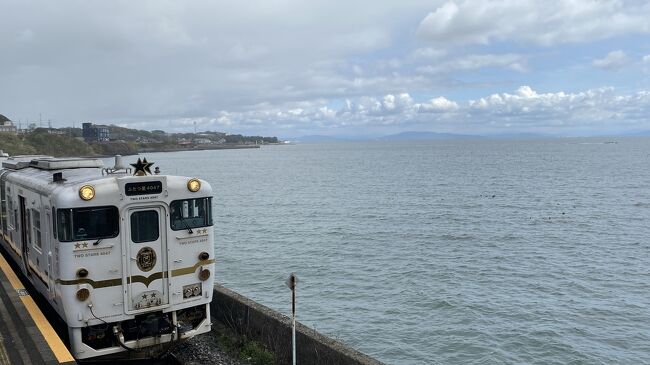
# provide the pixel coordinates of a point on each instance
(97, 242)
(189, 229)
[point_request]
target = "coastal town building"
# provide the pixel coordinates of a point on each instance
(95, 133)
(56, 131)
(7, 126)
(202, 141)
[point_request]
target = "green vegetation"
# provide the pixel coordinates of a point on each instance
(240, 347)
(124, 141)
(238, 138)
(41, 142)
(256, 354)
(15, 145)
(115, 148)
(56, 144)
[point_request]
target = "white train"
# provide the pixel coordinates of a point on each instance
(126, 259)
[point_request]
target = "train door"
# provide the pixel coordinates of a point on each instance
(146, 248)
(24, 233)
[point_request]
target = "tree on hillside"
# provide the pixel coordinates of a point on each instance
(115, 148)
(15, 145)
(57, 145)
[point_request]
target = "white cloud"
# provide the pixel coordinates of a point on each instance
(586, 112)
(612, 61)
(542, 22)
(525, 110)
(167, 60)
(646, 58)
(271, 66)
(437, 105)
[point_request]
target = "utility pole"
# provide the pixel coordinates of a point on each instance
(291, 283)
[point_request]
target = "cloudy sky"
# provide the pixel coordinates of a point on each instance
(291, 68)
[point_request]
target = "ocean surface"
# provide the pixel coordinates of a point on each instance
(443, 252)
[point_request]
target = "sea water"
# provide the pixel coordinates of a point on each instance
(443, 252)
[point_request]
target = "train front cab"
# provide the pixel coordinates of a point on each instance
(166, 284)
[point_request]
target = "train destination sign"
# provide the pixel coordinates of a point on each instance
(143, 188)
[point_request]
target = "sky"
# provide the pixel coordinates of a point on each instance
(337, 68)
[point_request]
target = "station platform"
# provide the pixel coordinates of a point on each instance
(26, 336)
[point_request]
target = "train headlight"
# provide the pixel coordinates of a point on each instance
(204, 256)
(193, 185)
(83, 294)
(87, 192)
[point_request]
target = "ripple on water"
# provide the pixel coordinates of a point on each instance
(481, 252)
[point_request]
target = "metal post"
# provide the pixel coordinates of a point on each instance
(291, 283)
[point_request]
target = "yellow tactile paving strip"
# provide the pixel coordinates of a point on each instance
(54, 342)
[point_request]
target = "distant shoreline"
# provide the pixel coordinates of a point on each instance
(201, 148)
(195, 148)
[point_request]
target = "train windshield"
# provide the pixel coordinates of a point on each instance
(92, 223)
(191, 213)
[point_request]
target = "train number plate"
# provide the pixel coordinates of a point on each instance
(143, 188)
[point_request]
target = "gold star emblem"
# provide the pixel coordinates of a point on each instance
(85, 245)
(142, 167)
(76, 245)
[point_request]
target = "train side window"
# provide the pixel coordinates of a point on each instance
(64, 222)
(191, 213)
(93, 223)
(54, 222)
(3, 202)
(11, 224)
(36, 228)
(144, 226)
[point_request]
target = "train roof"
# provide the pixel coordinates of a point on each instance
(46, 174)
(38, 172)
(50, 163)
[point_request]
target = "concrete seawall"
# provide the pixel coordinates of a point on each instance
(264, 325)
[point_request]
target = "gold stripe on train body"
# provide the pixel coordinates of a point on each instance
(136, 278)
(146, 280)
(191, 269)
(95, 284)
